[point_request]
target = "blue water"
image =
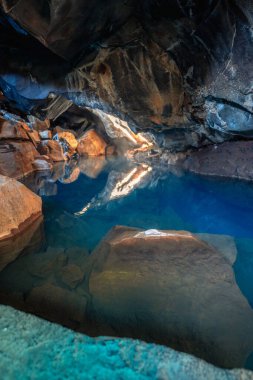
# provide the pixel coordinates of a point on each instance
(167, 201)
(53, 276)
(188, 202)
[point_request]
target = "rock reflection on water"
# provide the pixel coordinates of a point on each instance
(119, 184)
(168, 287)
(31, 238)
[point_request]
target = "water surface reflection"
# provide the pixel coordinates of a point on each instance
(192, 292)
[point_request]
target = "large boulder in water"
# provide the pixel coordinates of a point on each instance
(173, 288)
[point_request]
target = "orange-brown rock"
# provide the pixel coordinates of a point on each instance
(91, 144)
(41, 164)
(69, 137)
(12, 130)
(52, 149)
(120, 134)
(19, 207)
(175, 288)
(16, 158)
(39, 125)
(34, 137)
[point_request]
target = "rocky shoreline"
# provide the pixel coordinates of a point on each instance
(57, 352)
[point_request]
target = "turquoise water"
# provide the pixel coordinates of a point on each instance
(211, 317)
(37, 349)
(165, 201)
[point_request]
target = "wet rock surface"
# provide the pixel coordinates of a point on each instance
(79, 356)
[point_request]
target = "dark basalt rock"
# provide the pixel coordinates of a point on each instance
(231, 160)
(69, 27)
(164, 65)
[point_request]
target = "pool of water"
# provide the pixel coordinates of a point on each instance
(51, 277)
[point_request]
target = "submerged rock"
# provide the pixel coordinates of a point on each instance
(30, 346)
(167, 287)
(173, 288)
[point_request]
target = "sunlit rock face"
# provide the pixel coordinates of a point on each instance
(91, 144)
(33, 344)
(19, 207)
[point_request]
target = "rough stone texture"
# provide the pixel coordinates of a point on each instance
(162, 64)
(34, 137)
(69, 26)
(70, 139)
(39, 125)
(135, 271)
(12, 130)
(17, 158)
(19, 207)
(91, 144)
(29, 347)
(52, 149)
(230, 160)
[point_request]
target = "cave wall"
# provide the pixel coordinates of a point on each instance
(178, 67)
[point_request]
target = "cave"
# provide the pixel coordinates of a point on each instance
(126, 189)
